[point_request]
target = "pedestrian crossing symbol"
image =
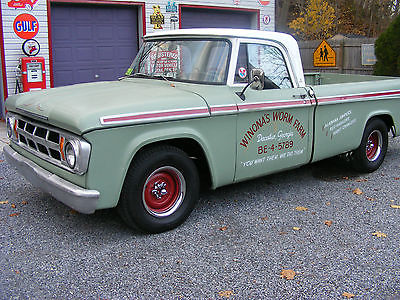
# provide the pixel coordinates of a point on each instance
(324, 56)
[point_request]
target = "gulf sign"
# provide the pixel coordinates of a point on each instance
(264, 2)
(26, 26)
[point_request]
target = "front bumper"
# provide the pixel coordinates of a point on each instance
(80, 199)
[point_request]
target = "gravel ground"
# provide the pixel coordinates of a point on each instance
(235, 244)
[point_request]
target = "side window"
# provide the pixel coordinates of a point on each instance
(265, 57)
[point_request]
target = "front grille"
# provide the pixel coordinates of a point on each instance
(40, 140)
(47, 142)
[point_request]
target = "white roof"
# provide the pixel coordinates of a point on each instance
(286, 40)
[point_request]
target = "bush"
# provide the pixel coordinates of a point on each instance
(387, 51)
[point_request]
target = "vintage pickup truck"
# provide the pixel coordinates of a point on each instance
(215, 106)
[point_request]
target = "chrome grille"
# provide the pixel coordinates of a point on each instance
(39, 139)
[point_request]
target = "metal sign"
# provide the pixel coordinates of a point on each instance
(324, 56)
(368, 57)
(26, 26)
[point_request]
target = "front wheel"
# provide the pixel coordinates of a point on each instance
(370, 154)
(160, 190)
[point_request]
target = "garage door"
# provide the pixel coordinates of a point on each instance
(92, 43)
(215, 18)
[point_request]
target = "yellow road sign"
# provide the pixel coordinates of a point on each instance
(324, 56)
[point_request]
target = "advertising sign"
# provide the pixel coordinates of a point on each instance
(26, 26)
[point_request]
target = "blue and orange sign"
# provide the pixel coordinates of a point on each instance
(26, 26)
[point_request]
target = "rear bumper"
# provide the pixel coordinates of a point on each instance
(80, 199)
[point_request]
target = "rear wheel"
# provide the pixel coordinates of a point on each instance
(370, 154)
(160, 190)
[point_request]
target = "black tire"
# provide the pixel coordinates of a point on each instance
(370, 154)
(160, 190)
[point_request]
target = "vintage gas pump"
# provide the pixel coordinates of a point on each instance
(31, 72)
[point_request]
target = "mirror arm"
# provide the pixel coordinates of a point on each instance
(241, 94)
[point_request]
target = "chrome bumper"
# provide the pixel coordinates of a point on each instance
(82, 200)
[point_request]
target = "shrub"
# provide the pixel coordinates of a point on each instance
(387, 50)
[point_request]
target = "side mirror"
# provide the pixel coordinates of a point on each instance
(257, 78)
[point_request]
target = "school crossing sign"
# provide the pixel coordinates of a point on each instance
(324, 56)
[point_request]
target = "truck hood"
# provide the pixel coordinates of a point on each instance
(84, 107)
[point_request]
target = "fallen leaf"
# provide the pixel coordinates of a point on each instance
(348, 295)
(394, 206)
(13, 205)
(225, 294)
(328, 223)
(4, 202)
(24, 202)
(379, 234)
(15, 214)
(357, 191)
(16, 271)
(72, 212)
(370, 199)
(313, 213)
(1, 160)
(301, 208)
(264, 218)
(223, 228)
(288, 274)
(362, 180)
(296, 228)
(282, 232)
(346, 178)
(397, 178)
(328, 203)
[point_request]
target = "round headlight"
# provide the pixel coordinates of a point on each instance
(70, 154)
(9, 127)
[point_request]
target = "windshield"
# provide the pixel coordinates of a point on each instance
(201, 61)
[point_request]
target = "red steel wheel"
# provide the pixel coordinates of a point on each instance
(164, 191)
(374, 145)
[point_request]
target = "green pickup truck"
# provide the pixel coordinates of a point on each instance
(215, 106)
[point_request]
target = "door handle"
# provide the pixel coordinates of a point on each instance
(301, 96)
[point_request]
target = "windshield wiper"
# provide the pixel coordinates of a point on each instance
(166, 78)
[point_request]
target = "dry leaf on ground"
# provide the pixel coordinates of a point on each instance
(357, 191)
(223, 228)
(328, 223)
(24, 202)
(13, 205)
(379, 234)
(14, 214)
(362, 180)
(226, 294)
(296, 228)
(4, 202)
(264, 218)
(288, 274)
(348, 295)
(301, 208)
(394, 206)
(370, 199)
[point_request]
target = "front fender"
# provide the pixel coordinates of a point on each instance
(114, 149)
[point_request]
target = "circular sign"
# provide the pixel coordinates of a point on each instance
(264, 2)
(242, 73)
(31, 47)
(26, 26)
(267, 20)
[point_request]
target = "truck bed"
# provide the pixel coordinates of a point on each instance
(332, 78)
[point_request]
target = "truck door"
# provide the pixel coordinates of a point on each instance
(274, 129)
